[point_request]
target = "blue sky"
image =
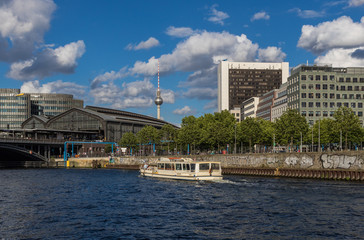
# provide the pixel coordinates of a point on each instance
(106, 52)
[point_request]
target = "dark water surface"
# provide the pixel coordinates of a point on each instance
(116, 204)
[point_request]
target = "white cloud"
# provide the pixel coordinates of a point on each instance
(151, 42)
(260, 15)
(54, 87)
(201, 93)
(211, 105)
(308, 13)
(339, 33)
(271, 54)
(108, 76)
(186, 110)
(343, 57)
(356, 3)
(180, 32)
(217, 17)
(22, 26)
(49, 61)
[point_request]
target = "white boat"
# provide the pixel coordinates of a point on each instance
(183, 169)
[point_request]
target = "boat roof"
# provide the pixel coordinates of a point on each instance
(183, 160)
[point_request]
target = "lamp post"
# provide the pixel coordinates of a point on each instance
(301, 142)
(319, 142)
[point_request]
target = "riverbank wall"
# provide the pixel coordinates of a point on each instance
(348, 165)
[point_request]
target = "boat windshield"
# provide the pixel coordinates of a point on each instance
(215, 166)
(193, 167)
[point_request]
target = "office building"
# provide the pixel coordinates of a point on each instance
(318, 91)
(280, 103)
(249, 108)
(265, 105)
(16, 107)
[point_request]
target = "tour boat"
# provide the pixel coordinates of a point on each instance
(183, 169)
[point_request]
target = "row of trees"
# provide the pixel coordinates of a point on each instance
(220, 132)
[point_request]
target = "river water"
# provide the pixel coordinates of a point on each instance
(117, 204)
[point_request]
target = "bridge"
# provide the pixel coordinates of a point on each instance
(20, 152)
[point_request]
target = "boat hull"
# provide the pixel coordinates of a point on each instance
(177, 176)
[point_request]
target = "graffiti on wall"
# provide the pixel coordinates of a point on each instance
(303, 162)
(341, 161)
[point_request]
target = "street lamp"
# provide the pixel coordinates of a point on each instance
(301, 142)
(235, 140)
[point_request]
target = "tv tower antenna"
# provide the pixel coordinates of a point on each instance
(158, 100)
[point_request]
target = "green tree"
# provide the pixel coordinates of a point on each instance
(348, 124)
(148, 135)
(267, 132)
(327, 131)
(168, 134)
(249, 131)
(129, 140)
(289, 126)
(224, 126)
(189, 131)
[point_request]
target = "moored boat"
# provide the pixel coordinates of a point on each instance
(183, 169)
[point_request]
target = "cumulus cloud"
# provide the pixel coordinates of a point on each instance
(260, 15)
(271, 54)
(341, 57)
(308, 13)
(151, 42)
(211, 105)
(199, 55)
(54, 87)
(22, 27)
(339, 33)
(49, 61)
(186, 110)
(180, 32)
(217, 17)
(108, 76)
(356, 3)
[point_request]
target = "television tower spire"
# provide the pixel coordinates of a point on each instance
(158, 100)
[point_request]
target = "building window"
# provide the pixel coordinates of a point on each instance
(360, 105)
(325, 104)
(310, 95)
(310, 113)
(345, 96)
(332, 95)
(362, 80)
(303, 104)
(360, 114)
(346, 104)
(342, 88)
(304, 113)
(324, 95)
(332, 104)
(348, 80)
(318, 104)
(318, 113)
(337, 96)
(303, 77)
(325, 113)
(303, 86)
(318, 95)
(310, 77)
(341, 79)
(351, 96)
(356, 88)
(338, 104)
(318, 77)
(331, 113)
(318, 86)
(355, 79)
(310, 86)
(332, 87)
(303, 95)
(324, 77)
(358, 96)
(350, 88)
(310, 104)
(352, 105)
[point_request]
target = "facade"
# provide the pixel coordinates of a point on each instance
(249, 108)
(239, 81)
(265, 105)
(90, 123)
(280, 103)
(16, 107)
(237, 113)
(318, 91)
(51, 104)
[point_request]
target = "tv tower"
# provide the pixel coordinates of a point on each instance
(158, 100)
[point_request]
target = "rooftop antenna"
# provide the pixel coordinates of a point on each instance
(158, 100)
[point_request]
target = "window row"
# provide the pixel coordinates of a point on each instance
(324, 113)
(332, 87)
(331, 104)
(331, 96)
(331, 77)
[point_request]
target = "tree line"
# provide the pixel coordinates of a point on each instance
(219, 132)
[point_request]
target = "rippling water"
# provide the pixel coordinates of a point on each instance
(111, 204)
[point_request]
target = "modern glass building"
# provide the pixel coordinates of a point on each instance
(317, 91)
(16, 107)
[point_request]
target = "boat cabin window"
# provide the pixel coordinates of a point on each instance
(178, 166)
(215, 166)
(204, 166)
(169, 166)
(193, 167)
(186, 167)
(160, 165)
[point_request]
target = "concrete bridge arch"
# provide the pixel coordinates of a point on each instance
(14, 156)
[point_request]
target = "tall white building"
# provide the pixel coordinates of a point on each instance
(239, 81)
